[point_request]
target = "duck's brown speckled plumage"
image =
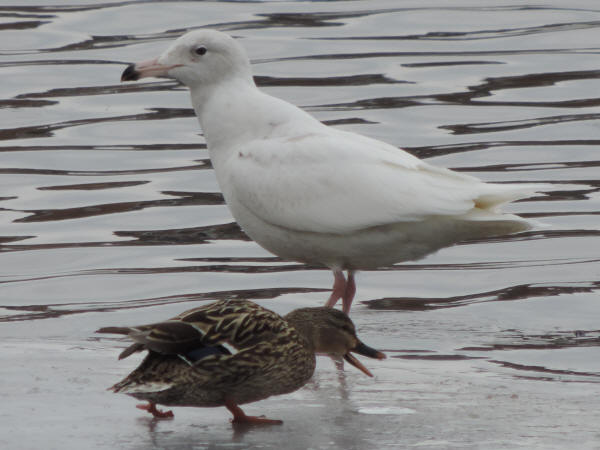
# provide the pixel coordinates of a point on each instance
(271, 359)
(270, 354)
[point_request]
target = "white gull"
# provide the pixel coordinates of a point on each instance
(316, 194)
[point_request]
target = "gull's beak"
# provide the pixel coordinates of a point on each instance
(364, 350)
(150, 68)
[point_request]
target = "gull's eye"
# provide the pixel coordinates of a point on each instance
(200, 50)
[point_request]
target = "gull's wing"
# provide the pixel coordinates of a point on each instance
(330, 181)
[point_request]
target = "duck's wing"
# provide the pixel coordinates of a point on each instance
(170, 337)
(340, 182)
(202, 331)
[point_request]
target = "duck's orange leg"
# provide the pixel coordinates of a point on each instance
(151, 408)
(239, 417)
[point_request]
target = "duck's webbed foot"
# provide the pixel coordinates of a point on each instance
(239, 417)
(151, 408)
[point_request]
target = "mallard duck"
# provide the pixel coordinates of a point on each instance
(316, 194)
(233, 352)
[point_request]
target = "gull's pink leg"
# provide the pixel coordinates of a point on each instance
(338, 290)
(349, 292)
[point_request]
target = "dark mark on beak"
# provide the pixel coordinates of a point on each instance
(130, 74)
(365, 350)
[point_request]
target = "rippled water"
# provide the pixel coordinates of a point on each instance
(110, 214)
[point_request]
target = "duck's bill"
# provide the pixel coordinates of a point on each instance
(144, 69)
(364, 350)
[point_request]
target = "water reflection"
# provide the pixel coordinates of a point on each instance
(509, 293)
(50, 311)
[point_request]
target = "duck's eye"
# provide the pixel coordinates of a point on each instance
(200, 50)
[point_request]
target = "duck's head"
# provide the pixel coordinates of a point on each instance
(197, 58)
(330, 331)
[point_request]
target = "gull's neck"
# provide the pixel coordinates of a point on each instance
(223, 109)
(235, 111)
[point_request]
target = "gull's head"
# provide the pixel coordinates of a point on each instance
(198, 58)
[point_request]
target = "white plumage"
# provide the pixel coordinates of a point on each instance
(316, 194)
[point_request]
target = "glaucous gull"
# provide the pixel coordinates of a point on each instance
(316, 194)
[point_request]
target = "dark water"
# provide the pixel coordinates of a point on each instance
(110, 214)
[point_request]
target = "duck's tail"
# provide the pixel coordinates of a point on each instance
(136, 347)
